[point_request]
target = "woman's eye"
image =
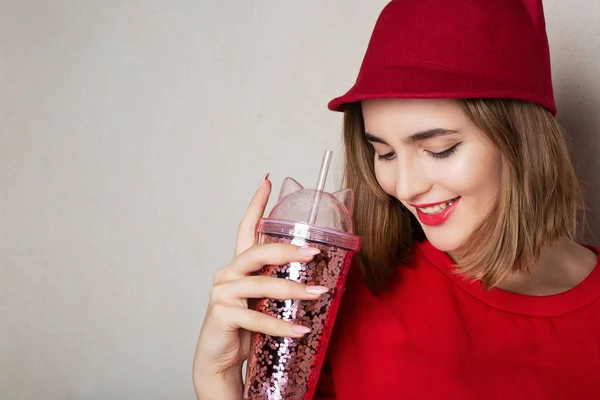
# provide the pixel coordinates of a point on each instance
(387, 156)
(446, 153)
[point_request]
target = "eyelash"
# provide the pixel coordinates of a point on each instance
(438, 156)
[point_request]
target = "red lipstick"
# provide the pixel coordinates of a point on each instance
(435, 219)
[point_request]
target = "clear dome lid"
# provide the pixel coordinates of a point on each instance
(313, 215)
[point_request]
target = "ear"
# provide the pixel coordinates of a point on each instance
(346, 197)
(288, 186)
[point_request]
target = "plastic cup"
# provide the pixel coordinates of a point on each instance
(288, 368)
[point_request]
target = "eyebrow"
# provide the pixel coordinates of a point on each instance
(416, 137)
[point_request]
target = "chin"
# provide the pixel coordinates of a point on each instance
(444, 241)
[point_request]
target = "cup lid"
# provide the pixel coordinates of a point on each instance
(333, 223)
(313, 233)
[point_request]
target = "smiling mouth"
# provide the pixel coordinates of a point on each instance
(438, 208)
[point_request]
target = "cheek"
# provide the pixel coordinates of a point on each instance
(486, 178)
(386, 177)
(476, 172)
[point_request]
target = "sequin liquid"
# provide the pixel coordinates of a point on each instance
(282, 368)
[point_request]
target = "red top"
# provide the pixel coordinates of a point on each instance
(434, 335)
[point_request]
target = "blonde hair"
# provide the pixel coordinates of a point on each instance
(540, 196)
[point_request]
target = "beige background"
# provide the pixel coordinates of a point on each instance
(132, 135)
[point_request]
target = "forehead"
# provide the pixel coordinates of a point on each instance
(404, 117)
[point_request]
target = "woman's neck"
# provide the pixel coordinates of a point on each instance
(562, 265)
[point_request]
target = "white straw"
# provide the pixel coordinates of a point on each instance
(320, 186)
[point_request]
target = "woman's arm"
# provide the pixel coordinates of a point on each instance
(211, 386)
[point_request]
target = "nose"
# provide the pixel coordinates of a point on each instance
(411, 181)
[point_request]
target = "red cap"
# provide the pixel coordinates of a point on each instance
(432, 49)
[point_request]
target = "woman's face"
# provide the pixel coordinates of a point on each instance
(436, 162)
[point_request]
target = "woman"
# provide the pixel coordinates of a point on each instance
(469, 284)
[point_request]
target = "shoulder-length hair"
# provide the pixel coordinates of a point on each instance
(540, 196)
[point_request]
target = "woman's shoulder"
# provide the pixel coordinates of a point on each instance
(419, 261)
(412, 279)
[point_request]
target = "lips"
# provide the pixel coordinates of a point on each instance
(433, 214)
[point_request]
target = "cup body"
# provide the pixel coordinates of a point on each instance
(288, 368)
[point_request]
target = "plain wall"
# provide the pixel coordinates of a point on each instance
(132, 136)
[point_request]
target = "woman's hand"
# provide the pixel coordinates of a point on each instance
(224, 339)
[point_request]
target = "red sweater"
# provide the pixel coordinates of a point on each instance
(435, 336)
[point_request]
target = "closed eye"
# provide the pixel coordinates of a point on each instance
(438, 156)
(387, 156)
(446, 153)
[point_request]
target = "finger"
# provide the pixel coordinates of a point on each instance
(233, 318)
(259, 255)
(246, 235)
(257, 287)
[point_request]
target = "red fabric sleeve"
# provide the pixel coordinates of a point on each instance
(325, 389)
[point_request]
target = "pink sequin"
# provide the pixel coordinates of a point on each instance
(288, 368)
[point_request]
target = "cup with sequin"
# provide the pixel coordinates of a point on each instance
(283, 368)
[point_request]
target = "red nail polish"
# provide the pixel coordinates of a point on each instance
(262, 183)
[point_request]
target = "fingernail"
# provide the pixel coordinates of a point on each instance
(308, 251)
(300, 329)
(264, 179)
(316, 289)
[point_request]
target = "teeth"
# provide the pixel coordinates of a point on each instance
(437, 208)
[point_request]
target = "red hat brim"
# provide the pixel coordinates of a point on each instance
(418, 80)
